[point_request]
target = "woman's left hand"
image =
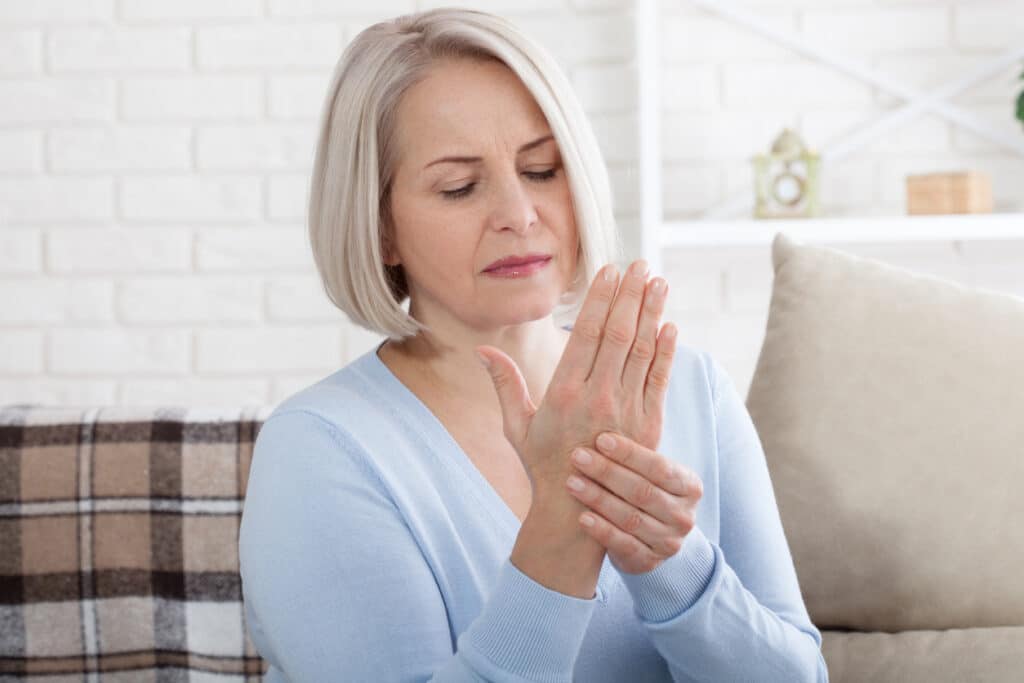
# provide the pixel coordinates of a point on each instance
(641, 503)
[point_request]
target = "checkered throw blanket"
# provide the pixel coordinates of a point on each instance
(119, 544)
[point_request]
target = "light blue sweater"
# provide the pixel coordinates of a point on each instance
(372, 549)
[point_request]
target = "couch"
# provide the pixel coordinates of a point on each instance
(119, 544)
(890, 405)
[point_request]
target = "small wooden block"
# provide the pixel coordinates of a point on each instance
(954, 192)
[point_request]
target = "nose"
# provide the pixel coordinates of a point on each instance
(513, 205)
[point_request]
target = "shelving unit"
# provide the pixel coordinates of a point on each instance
(657, 234)
(860, 229)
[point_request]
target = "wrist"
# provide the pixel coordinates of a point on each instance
(553, 550)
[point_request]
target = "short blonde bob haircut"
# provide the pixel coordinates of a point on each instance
(349, 194)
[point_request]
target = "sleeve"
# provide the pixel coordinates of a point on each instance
(732, 612)
(338, 588)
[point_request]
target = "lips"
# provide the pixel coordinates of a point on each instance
(509, 261)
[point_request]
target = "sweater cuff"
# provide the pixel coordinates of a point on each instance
(676, 584)
(526, 631)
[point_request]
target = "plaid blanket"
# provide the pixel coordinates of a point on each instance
(119, 543)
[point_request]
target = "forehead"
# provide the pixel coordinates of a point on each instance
(462, 104)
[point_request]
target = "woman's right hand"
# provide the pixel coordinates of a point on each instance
(612, 376)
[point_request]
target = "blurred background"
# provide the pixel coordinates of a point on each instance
(155, 158)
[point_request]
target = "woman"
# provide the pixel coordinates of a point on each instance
(412, 517)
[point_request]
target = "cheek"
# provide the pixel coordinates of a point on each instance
(437, 253)
(423, 230)
(566, 211)
(565, 220)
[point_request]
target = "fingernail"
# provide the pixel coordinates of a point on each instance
(483, 359)
(581, 456)
(606, 442)
(657, 285)
(610, 272)
(639, 268)
(575, 483)
(670, 333)
(587, 520)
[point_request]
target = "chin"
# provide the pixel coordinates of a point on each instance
(537, 309)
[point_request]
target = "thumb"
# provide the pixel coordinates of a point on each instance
(513, 395)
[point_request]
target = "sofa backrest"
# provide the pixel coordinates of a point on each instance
(119, 541)
(889, 405)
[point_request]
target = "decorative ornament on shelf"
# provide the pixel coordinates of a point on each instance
(1020, 102)
(786, 180)
(949, 192)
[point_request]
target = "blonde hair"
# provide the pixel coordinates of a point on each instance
(356, 157)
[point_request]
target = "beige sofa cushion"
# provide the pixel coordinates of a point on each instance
(993, 655)
(891, 409)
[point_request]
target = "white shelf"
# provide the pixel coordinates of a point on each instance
(751, 232)
(656, 233)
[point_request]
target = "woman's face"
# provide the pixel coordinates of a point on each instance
(507, 195)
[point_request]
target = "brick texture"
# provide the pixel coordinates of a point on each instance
(155, 158)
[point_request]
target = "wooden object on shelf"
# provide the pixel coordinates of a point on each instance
(953, 192)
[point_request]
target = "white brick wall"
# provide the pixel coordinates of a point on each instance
(155, 156)
(119, 48)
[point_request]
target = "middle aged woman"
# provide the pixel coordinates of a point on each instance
(411, 517)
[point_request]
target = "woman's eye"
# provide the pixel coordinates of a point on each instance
(538, 176)
(543, 175)
(460, 192)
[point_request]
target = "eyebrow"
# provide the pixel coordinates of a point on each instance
(472, 160)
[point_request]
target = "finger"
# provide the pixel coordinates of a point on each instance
(581, 349)
(653, 483)
(628, 518)
(513, 393)
(634, 555)
(620, 330)
(634, 377)
(661, 370)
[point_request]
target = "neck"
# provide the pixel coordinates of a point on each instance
(450, 363)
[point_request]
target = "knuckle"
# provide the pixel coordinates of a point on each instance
(681, 520)
(657, 378)
(602, 293)
(501, 380)
(650, 431)
(618, 334)
(631, 405)
(627, 456)
(697, 486)
(634, 520)
(589, 329)
(601, 467)
(644, 493)
(643, 350)
(634, 286)
(603, 404)
(633, 548)
(671, 546)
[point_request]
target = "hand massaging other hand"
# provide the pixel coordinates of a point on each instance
(612, 376)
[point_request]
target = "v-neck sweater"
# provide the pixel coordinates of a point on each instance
(372, 549)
